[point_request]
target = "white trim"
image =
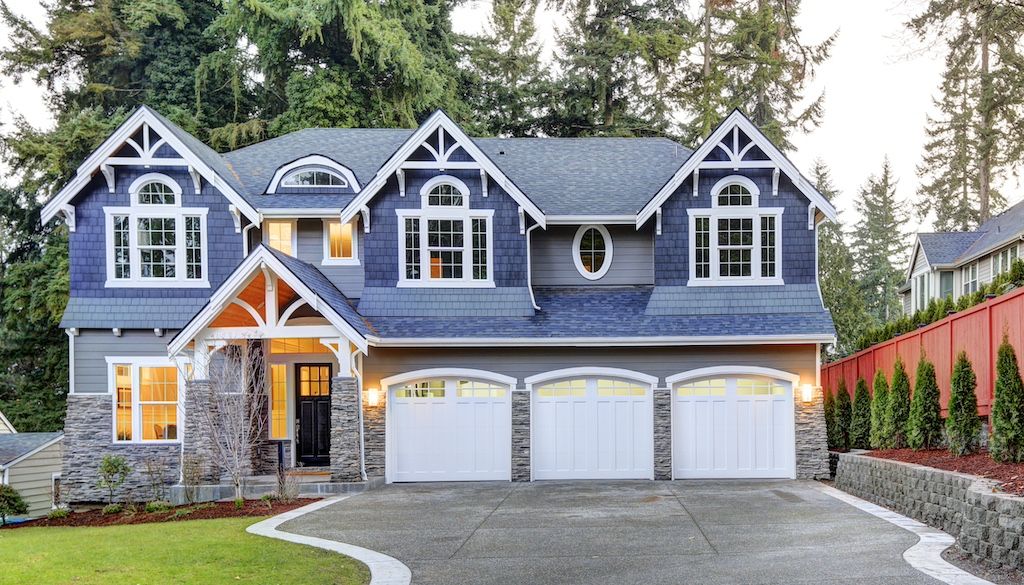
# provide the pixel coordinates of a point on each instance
(327, 259)
(440, 120)
(444, 180)
(142, 181)
(696, 160)
(680, 340)
(265, 230)
(71, 366)
(590, 372)
(138, 211)
(7, 423)
(136, 362)
(427, 373)
(466, 216)
(716, 213)
(587, 219)
(578, 239)
(733, 371)
(25, 456)
(314, 161)
(755, 193)
(299, 212)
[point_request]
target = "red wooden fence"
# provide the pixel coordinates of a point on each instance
(978, 331)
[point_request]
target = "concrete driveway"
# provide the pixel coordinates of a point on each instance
(619, 532)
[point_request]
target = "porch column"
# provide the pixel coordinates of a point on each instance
(345, 441)
(197, 447)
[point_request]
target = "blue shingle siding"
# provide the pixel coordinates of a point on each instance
(88, 242)
(727, 300)
(130, 313)
(671, 253)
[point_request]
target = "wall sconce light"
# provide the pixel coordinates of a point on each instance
(807, 393)
(372, 396)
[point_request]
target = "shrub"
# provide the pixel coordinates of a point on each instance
(239, 503)
(879, 404)
(113, 472)
(894, 424)
(962, 424)
(58, 513)
(924, 427)
(860, 421)
(112, 509)
(157, 506)
(843, 415)
(11, 503)
(830, 419)
(1007, 442)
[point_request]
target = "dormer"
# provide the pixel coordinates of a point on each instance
(313, 174)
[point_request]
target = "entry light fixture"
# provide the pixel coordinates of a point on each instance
(807, 393)
(372, 396)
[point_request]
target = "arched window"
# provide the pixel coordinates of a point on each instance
(592, 251)
(316, 177)
(156, 193)
(445, 195)
(735, 194)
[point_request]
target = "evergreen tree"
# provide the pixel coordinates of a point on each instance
(1007, 441)
(879, 244)
(879, 406)
(894, 424)
(839, 286)
(963, 424)
(924, 427)
(830, 419)
(860, 423)
(844, 414)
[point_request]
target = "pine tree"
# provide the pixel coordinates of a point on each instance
(844, 414)
(830, 419)
(879, 406)
(1007, 441)
(839, 287)
(860, 423)
(879, 244)
(963, 424)
(924, 427)
(894, 424)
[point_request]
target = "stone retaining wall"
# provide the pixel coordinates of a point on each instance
(988, 526)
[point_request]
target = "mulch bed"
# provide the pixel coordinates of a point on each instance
(1010, 474)
(204, 511)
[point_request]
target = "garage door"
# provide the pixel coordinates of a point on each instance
(733, 427)
(592, 428)
(449, 429)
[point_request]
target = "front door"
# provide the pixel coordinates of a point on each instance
(313, 394)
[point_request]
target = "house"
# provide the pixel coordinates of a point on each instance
(439, 307)
(31, 464)
(957, 263)
(6, 427)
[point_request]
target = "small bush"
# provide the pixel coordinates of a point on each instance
(879, 404)
(239, 503)
(843, 415)
(1007, 442)
(113, 472)
(157, 506)
(830, 419)
(58, 513)
(924, 427)
(894, 424)
(962, 424)
(860, 421)
(11, 503)
(112, 509)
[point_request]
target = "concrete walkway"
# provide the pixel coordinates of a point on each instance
(619, 532)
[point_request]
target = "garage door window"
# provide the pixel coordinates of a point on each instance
(425, 389)
(474, 389)
(749, 387)
(714, 387)
(619, 388)
(564, 389)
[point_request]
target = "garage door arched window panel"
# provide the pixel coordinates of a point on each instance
(710, 387)
(565, 388)
(424, 389)
(479, 389)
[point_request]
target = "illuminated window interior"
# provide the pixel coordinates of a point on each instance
(297, 345)
(123, 383)
(279, 235)
(158, 402)
(340, 245)
(278, 401)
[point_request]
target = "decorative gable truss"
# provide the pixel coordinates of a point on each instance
(734, 145)
(439, 144)
(143, 140)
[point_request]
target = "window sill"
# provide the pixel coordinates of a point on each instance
(157, 283)
(445, 284)
(340, 262)
(174, 442)
(736, 282)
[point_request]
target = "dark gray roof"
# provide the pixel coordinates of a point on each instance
(446, 302)
(729, 300)
(15, 445)
(130, 313)
(1001, 229)
(945, 247)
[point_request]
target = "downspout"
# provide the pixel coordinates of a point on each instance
(529, 266)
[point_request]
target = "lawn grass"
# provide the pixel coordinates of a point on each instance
(197, 551)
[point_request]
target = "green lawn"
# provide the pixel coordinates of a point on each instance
(196, 551)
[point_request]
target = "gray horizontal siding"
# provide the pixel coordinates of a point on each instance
(33, 478)
(632, 257)
(93, 346)
(310, 239)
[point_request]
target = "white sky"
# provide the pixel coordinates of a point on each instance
(878, 89)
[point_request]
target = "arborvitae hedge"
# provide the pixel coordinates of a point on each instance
(924, 427)
(843, 415)
(830, 418)
(879, 404)
(962, 424)
(860, 422)
(894, 424)
(1007, 442)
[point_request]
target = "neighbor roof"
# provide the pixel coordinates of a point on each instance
(998, 230)
(945, 247)
(18, 445)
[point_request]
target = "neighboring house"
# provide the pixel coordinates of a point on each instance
(438, 307)
(31, 464)
(5, 425)
(957, 263)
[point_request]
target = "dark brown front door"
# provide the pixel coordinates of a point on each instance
(313, 393)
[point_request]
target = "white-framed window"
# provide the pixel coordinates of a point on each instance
(922, 290)
(445, 242)
(154, 241)
(313, 172)
(340, 243)
(281, 235)
(1003, 260)
(146, 406)
(314, 178)
(969, 278)
(735, 242)
(592, 251)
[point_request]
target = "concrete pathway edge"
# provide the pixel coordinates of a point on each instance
(926, 555)
(384, 570)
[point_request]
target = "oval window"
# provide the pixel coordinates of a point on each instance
(592, 251)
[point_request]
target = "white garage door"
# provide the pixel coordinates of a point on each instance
(449, 429)
(592, 428)
(733, 427)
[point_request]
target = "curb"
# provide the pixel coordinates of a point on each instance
(926, 555)
(384, 570)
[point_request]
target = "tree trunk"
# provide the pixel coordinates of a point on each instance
(985, 144)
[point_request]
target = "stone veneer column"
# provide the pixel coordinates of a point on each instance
(811, 439)
(198, 437)
(521, 435)
(662, 433)
(373, 435)
(345, 447)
